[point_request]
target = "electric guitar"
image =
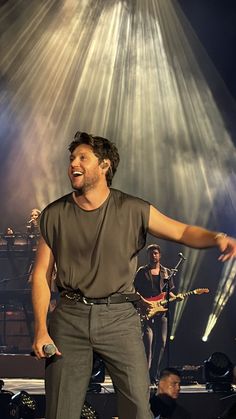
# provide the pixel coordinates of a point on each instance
(159, 301)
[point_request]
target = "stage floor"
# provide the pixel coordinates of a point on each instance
(25, 373)
(36, 386)
(201, 403)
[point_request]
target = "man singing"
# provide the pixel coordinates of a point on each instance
(94, 235)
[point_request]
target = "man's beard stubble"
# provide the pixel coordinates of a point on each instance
(86, 187)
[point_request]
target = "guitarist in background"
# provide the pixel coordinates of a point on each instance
(150, 281)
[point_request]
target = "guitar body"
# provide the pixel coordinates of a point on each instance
(159, 297)
(159, 301)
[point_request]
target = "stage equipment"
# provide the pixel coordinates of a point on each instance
(22, 406)
(218, 373)
(88, 412)
(229, 403)
(191, 374)
(5, 398)
(98, 374)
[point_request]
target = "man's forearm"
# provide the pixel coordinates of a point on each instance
(40, 300)
(199, 237)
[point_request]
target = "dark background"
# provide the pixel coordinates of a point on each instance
(214, 22)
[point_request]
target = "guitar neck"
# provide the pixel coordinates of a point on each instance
(185, 294)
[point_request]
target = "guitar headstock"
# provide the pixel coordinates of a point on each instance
(199, 291)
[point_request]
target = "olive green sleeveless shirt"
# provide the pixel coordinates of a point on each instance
(96, 251)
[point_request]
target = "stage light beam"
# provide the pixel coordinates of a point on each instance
(225, 290)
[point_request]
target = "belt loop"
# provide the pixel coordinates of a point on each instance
(108, 301)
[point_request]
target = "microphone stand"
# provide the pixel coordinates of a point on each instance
(173, 272)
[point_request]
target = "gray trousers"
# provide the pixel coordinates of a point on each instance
(114, 332)
(154, 337)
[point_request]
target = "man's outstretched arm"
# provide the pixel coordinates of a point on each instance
(193, 236)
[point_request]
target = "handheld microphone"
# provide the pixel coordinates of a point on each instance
(49, 350)
(182, 256)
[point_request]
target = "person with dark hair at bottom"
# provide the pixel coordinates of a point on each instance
(150, 281)
(94, 235)
(164, 403)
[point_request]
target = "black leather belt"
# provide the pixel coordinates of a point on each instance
(112, 299)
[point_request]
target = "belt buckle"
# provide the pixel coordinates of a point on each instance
(85, 301)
